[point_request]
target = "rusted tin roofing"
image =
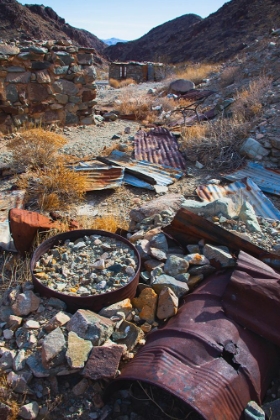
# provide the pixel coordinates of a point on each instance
(99, 176)
(205, 358)
(136, 182)
(196, 94)
(151, 173)
(242, 190)
(267, 180)
(188, 227)
(158, 146)
(252, 297)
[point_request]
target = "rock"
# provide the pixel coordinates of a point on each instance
(205, 270)
(29, 411)
(159, 241)
(78, 350)
(175, 265)
(179, 288)
(26, 303)
(220, 254)
(169, 202)
(181, 86)
(272, 409)
(196, 259)
(57, 304)
(6, 358)
(167, 304)
(194, 280)
(183, 277)
(31, 324)
(143, 247)
(151, 264)
(18, 383)
(53, 348)
(136, 236)
(124, 306)
(158, 254)
(80, 387)
(248, 215)
(58, 320)
(103, 362)
(253, 411)
(91, 326)
(146, 303)
(19, 360)
(131, 335)
(5, 411)
(253, 149)
(224, 206)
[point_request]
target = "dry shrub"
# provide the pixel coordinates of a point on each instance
(109, 222)
(229, 75)
(114, 83)
(8, 398)
(35, 148)
(248, 101)
(196, 131)
(139, 107)
(117, 84)
(195, 72)
(54, 188)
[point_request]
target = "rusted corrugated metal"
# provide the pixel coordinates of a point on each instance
(252, 297)
(158, 146)
(188, 227)
(151, 173)
(241, 190)
(205, 358)
(100, 177)
(267, 179)
(196, 94)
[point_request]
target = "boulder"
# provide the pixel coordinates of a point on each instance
(181, 86)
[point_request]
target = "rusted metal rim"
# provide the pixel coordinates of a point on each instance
(93, 302)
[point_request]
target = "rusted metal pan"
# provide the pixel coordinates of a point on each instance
(267, 179)
(99, 176)
(188, 227)
(158, 146)
(151, 173)
(205, 358)
(252, 297)
(246, 189)
(93, 302)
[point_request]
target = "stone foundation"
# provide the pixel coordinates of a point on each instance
(46, 84)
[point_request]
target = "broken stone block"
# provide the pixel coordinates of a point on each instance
(158, 254)
(80, 387)
(58, 320)
(175, 265)
(253, 149)
(6, 358)
(220, 254)
(143, 247)
(26, 303)
(103, 362)
(78, 350)
(179, 288)
(167, 304)
(14, 322)
(130, 335)
(146, 303)
(91, 326)
(29, 411)
(248, 215)
(53, 348)
(123, 306)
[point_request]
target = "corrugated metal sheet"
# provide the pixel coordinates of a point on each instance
(158, 146)
(252, 297)
(241, 190)
(136, 182)
(100, 177)
(205, 358)
(267, 180)
(196, 94)
(151, 173)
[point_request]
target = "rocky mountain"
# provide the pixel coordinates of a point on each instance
(112, 41)
(40, 22)
(216, 38)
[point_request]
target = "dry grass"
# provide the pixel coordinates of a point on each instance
(110, 222)
(229, 75)
(117, 84)
(36, 148)
(8, 398)
(195, 132)
(140, 107)
(195, 72)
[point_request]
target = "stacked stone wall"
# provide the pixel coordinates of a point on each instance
(46, 84)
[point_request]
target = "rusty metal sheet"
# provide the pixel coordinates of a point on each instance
(158, 146)
(242, 190)
(100, 177)
(202, 116)
(188, 227)
(151, 173)
(252, 297)
(267, 179)
(205, 358)
(196, 94)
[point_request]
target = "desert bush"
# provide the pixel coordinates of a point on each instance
(195, 72)
(114, 83)
(140, 107)
(229, 75)
(117, 84)
(35, 148)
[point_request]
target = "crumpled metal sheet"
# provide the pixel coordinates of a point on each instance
(99, 176)
(246, 189)
(205, 358)
(196, 94)
(151, 173)
(268, 180)
(158, 146)
(252, 297)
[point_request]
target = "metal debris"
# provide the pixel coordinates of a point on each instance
(151, 173)
(99, 176)
(245, 190)
(158, 146)
(267, 179)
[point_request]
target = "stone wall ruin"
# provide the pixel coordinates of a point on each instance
(50, 83)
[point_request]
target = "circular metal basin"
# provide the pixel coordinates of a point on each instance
(93, 302)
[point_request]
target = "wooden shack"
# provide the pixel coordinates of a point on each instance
(140, 72)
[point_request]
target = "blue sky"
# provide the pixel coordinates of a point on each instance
(126, 19)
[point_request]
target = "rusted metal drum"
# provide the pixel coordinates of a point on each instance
(93, 302)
